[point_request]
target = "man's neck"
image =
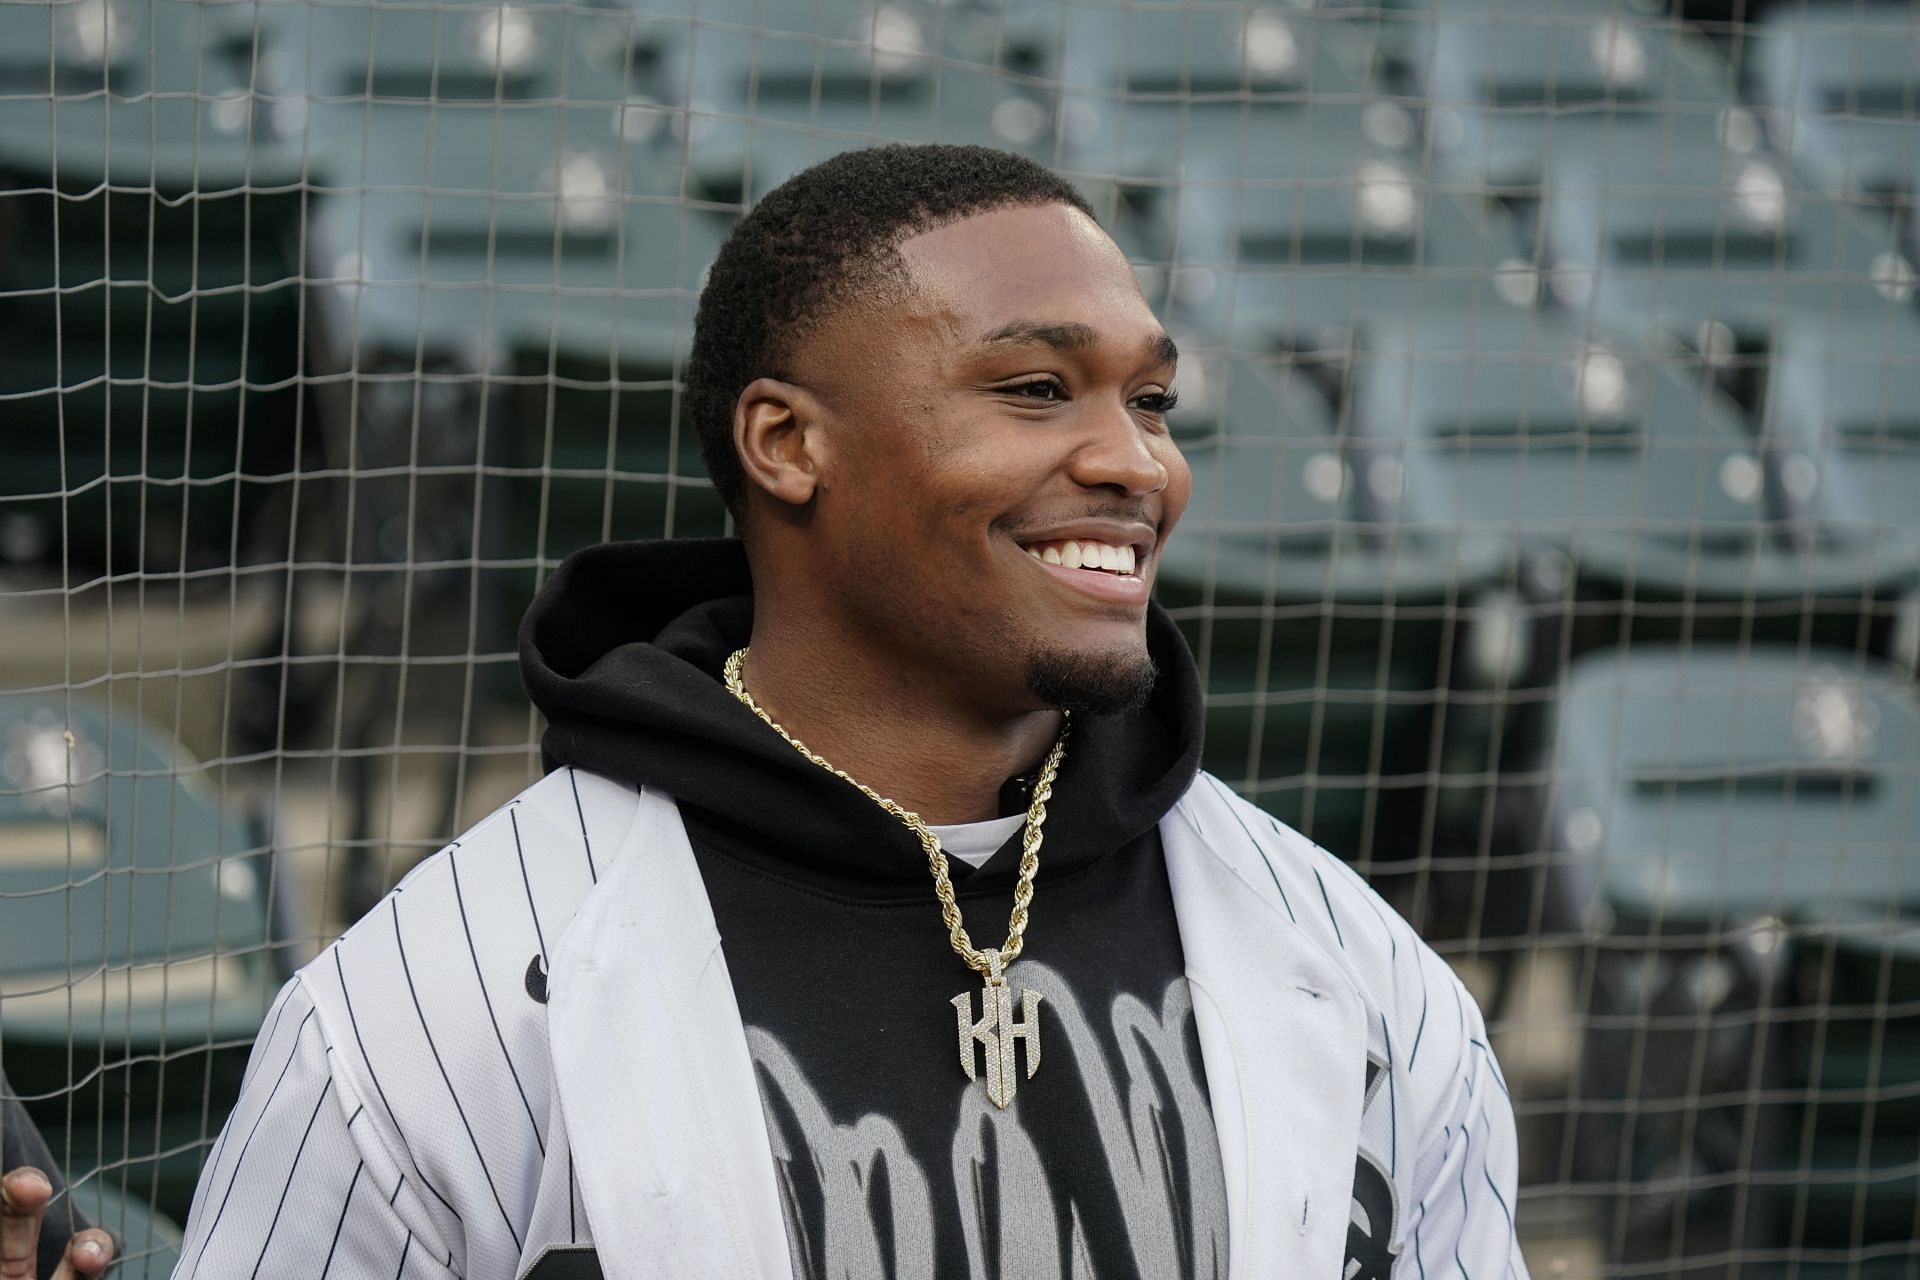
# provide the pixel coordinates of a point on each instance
(907, 738)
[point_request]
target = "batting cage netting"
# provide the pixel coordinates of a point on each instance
(1550, 381)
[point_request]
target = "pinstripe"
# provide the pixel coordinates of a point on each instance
(480, 980)
(1393, 1109)
(586, 841)
(1466, 1201)
(1331, 918)
(532, 910)
(246, 1078)
(345, 1206)
(1494, 1187)
(1493, 1067)
(405, 1249)
(241, 1159)
(1418, 1035)
(1253, 840)
(292, 1169)
(375, 1077)
(452, 1093)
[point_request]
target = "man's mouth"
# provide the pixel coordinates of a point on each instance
(1079, 553)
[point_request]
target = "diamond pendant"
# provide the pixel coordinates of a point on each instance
(996, 1032)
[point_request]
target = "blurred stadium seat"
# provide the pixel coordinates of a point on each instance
(148, 285)
(1837, 90)
(1733, 830)
(1840, 433)
(143, 939)
(1510, 86)
(1710, 249)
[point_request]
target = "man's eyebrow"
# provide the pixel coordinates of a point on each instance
(1070, 336)
(1061, 335)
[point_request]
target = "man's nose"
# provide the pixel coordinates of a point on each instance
(1118, 455)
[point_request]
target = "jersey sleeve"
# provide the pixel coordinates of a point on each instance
(1468, 1169)
(301, 1181)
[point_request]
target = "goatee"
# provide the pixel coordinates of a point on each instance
(1093, 684)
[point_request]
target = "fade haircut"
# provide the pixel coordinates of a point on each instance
(828, 236)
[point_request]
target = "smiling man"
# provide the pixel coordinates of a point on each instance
(875, 920)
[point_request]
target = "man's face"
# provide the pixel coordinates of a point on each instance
(1003, 422)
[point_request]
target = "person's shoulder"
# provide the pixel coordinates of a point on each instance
(1332, 905)
(461, 944)
(1423, 1024)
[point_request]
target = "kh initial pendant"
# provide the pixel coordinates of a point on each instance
(996, 1031)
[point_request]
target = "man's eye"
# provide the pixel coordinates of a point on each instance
(1042, 389)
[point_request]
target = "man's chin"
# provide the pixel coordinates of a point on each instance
(1098, 684)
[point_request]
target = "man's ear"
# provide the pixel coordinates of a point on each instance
(776, 433)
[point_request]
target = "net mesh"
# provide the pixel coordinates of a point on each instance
(1548, 380)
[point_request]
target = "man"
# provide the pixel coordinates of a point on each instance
(690, 1006)
(41, 1233)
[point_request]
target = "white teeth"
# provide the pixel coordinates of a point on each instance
(1079, 554)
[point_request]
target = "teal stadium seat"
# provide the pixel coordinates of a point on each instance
(768, 91)
(508, 267)
(1507, 86)
(1150, 90)
(1731, 830)
(150, 202)
(1839, 87)
(1710, 249)
(1840, 428)
(138, 945)
(1349, 235)
(1632, 473)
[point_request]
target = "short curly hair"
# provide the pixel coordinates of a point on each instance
(827, 236)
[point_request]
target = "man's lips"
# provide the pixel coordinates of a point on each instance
(1121, 584)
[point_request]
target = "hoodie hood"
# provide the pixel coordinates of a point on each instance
(622, 651)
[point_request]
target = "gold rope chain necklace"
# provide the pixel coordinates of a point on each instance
(996, 1030)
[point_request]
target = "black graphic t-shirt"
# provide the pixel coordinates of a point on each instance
(890, 1164)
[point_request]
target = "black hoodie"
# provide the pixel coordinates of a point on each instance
(889, 1162)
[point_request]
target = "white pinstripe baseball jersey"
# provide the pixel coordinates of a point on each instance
(526, 1061)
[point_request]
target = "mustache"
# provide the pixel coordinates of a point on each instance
(1039, 522)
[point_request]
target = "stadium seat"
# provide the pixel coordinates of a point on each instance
(1351, 234)
(1508, 86)
(1710, 249)
(1840, 432)
(1840, 91)
(149, 208)
(1630, 487)
(1731, 832)
(514, 293)
(1530, 429)
(766, 99)
(1329, 654)
(141, 943)
(1150, 90)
